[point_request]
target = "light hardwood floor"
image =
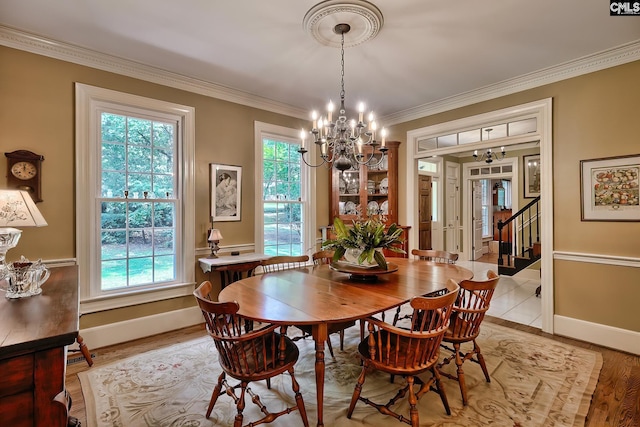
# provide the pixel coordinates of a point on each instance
(616, 400)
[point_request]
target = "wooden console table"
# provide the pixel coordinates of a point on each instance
(34, 335)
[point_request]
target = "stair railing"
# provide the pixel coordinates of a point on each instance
(506, 246)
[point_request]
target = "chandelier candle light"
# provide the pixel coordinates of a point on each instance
(342, 142)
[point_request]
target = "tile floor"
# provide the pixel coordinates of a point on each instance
(514, 299)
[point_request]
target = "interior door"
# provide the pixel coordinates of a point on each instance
(424, 213)
(477, 219)
(452, 215)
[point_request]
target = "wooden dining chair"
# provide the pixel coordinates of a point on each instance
(408, 352)
(469, 310)
(435, 256)
(233, 272)
(283, 262)
(247, 356)
(442, 257)
(322, 257)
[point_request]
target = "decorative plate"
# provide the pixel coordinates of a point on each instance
(384, 208)
(350, 208)
(373, 208)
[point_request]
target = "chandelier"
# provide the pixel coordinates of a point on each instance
(489, 156)
(345, 143)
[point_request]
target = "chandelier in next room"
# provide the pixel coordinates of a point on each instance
(344, 142)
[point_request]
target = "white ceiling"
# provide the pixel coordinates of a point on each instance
(426, 51)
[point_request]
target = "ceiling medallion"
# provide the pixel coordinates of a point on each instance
(364, 19)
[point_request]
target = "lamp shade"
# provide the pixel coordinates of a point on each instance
(214, 235)
(17, 209)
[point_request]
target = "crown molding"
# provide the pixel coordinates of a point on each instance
(17, 39)
(623, 54)
(66, 52)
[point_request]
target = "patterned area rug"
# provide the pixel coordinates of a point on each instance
(534, 382)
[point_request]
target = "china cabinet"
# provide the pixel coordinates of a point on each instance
(372, 190)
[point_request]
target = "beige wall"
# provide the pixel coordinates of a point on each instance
(37, 114)
(593, 116)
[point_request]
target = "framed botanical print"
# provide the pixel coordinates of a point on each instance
(609, 189)
(531, 176)
(226, 188)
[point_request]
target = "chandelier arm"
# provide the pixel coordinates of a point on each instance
(302, 152)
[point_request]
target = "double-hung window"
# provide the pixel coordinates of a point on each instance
(134, 196)
(284, 218)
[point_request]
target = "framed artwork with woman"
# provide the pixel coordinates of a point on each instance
(226, 188)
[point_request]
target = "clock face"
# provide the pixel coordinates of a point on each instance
(24, 170)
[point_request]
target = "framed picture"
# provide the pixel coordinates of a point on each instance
(609, 189)
(226, 186)
(531, 175)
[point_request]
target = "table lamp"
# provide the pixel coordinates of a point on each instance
(17, 209)
(214, 238)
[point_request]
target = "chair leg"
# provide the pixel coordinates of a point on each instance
(330, 347)
(483, 365)
(299, 402)
(216, 393)
(460, 373)
(413, 401)
(440, 389)
(85, 350)
(240, 405)
(342, 340)
(357, 390)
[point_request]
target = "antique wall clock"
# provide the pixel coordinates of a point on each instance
(24, 172)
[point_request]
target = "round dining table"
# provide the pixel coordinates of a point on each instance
(322, 294)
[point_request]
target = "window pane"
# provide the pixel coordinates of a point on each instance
(114, 274)
(163, 135)
(163, 242)
(138, 184)
(140, 271)
(139, 131)
(163, 161)
(114, 245)
(164, 268)
(163, 214)
(139, 159)
(113, 157)
(113, 128)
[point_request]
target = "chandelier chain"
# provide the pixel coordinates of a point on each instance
(342, 92)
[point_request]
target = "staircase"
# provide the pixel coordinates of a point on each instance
(519, 239)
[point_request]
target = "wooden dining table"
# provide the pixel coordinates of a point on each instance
(320, 295)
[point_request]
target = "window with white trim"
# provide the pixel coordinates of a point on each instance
(134, 196)
(284, 217)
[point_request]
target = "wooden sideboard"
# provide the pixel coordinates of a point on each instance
(34, 335)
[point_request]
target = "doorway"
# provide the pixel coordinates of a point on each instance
(425, 214)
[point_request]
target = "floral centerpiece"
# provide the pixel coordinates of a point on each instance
(362, 243)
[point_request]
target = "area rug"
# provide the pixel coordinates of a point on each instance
(535, 381)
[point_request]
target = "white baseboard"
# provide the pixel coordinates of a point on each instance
(606, 336)
(119, 332)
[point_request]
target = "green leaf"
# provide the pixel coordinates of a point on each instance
(381, 260)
